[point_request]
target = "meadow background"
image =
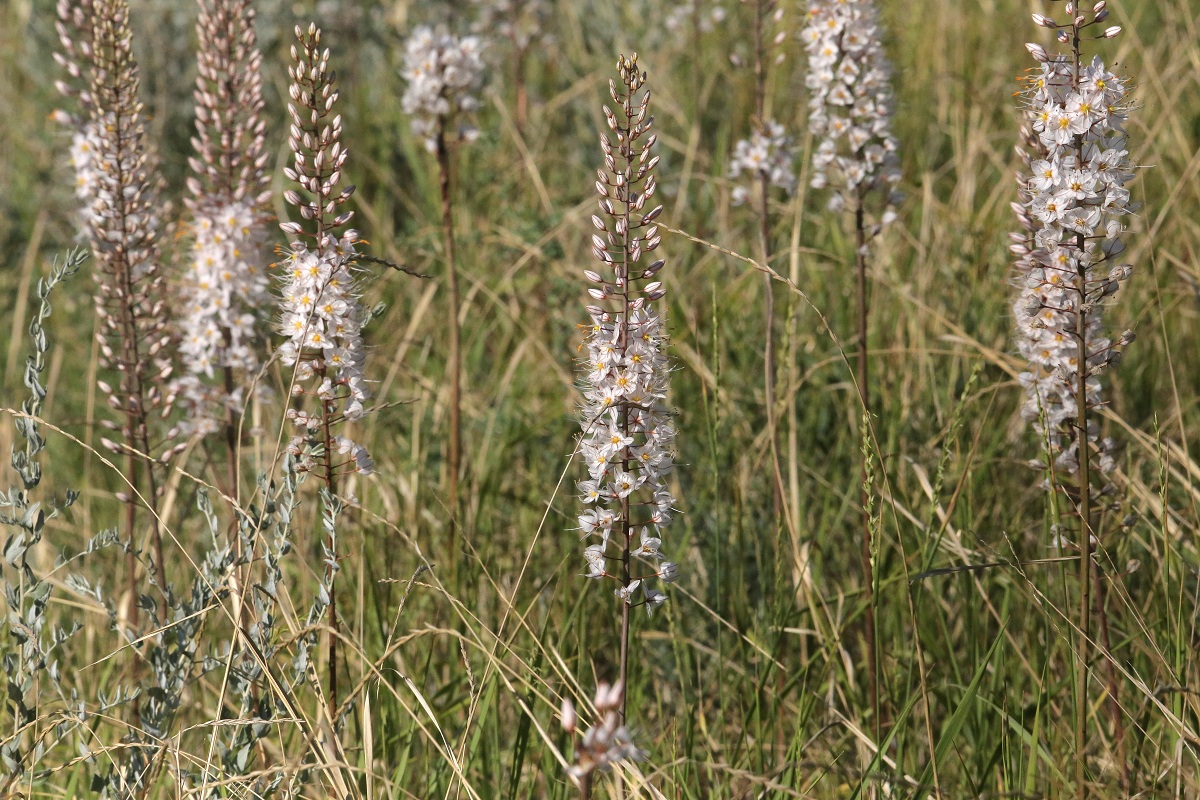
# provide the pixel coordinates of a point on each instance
(749, 683)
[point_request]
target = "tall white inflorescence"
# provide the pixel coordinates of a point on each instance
(225, 290)
(321, 312)
(443, 73)
(627, 431)
(1073, 201)
(766, 154)
(849, 81)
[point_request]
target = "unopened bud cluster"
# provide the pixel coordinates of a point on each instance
(124, 228)
(74, 27)
(1073, 199)
(767, 154)
(443, 73)
(322, 315)
(849, 82)
(605, 743)
(226, 288)
(627, 431)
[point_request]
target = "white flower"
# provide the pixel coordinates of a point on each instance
(626, 592)
(443, 73)
(594, 554)
(649, 545)
(605, 743)
(84, 146)
(653, 598)
(625, 483)
(850, 97)
(766, 154)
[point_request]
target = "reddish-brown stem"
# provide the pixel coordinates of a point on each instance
(327, 412)
(131, 607)
(454, 366)
(232, 421)
(133, 391)
(522, 112)
(1085, 488)
(626, 151)
(155, 534)
(232, 442)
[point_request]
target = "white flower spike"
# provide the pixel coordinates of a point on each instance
(1073, 199)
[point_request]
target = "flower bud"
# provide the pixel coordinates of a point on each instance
(568, 716)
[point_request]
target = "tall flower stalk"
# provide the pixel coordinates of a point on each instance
(1067, 271)
(123, 226)
(225, 290)
(627, 430)
(443, 73)
(322, 316)
(524, 24)
(766, 159)
(849, 81)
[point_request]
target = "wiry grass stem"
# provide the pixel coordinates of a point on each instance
(760, 95)
(864, 396)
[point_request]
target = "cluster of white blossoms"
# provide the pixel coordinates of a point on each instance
(84, 145)
(627, 431)
(766, 154)
(225, 288)
(443, 73)
(322, 321)
(849, 81)
(224, 285)
(321, 314)
(605, 743)
(1073, 202)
